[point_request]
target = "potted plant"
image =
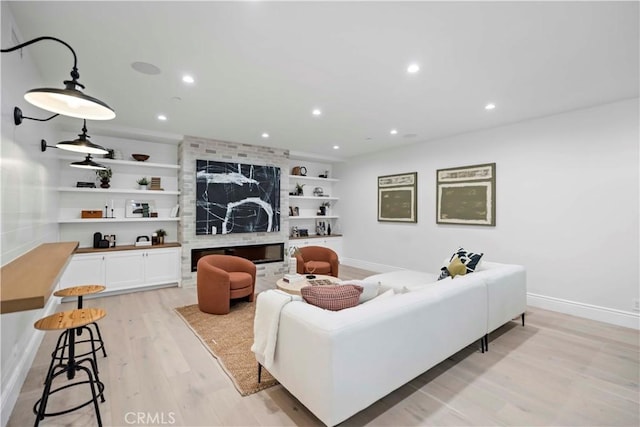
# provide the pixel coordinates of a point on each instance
(105, 176)
(143, 182)
(299, 189)
(161, 233)
(323, 208)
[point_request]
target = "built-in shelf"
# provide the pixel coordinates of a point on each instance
(113, 220)
(313, 198)
(314, 217)
(119, 190)
(126, 163)
(312, 178)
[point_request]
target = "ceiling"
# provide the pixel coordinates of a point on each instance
(263, 66)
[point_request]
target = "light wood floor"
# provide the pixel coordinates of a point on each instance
(556, 371)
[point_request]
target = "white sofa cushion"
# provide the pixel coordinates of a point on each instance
(398, 279)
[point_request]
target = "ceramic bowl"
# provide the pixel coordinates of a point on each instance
(140, 157)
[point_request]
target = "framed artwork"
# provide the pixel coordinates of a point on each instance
(397, 198)
(139, 208)
(466, 195)
(236, 198)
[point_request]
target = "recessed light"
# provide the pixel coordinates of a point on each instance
(336, 147)
(162, 117)
(413, 68)
(265, 135)
(489, 106)
(316, 112)
(393, 131)
(188, 79)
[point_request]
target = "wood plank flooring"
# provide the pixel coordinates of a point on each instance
(558, 370)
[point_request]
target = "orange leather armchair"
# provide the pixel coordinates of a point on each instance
(317, 260)
(221, 278)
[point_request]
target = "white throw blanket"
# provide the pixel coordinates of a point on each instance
(265, 324)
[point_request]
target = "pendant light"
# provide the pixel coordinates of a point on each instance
(88, 163)
(70, 101)
(82, 144)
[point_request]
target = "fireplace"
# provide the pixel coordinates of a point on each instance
(258, 254)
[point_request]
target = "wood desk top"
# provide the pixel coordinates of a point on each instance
(27, 282)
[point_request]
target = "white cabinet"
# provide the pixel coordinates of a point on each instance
(124, 269)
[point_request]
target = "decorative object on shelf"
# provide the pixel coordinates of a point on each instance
(397, 197)
(70, 101)
(318, 192)
(236, 198)
(105, 176)
(106, 210)
(140, 157)
(321, 228)
(299, 189)
(296, 211)
(175, 211)
(329, 229)
(322, 210)
(90, 214)
(299, 170)
(294, 232)
(466, 195)
(111, 238)
(139, 208)
(84, 184)
(142, 241)
(143, 183)
(155, 184)
(161, 234)
(324, 175)
(303, 232)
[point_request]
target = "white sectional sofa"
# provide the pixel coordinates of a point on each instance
(338, 363)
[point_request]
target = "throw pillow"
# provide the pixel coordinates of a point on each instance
(332, 297)
(469, 259)
(370, 288)
(455, 268)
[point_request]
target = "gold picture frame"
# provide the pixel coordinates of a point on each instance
(397, 198)
(466, 195)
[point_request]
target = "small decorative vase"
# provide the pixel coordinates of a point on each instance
(142, 187)
(104, 183)
(293, 265)
(161, 240)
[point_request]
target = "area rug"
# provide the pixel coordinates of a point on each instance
(228, 338)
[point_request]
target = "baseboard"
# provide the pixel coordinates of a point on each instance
(11, 388)
(627, 319)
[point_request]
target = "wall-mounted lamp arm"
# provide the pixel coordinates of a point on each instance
(74, 72)
(18, 117)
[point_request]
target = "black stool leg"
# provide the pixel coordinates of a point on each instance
(522, 319)
(259, 373)
(104, 351)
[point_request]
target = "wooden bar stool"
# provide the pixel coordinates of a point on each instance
(69, 321)
(81, 291)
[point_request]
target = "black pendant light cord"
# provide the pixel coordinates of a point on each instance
(74, 72)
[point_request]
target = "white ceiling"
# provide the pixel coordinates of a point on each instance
(263, 66)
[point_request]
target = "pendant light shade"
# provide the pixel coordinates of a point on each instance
(82, 144)
(87, 163)
(70, 101)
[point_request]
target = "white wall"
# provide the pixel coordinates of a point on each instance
(28, 206)
(567, 208)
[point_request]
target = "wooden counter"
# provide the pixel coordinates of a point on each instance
(127, 248)
(27, 282)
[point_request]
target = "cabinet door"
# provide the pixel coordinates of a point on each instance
(124, 269)
(84, 270)
(334, 243)
(162, 266)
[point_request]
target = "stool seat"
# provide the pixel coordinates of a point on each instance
(77, 291)
(70, 319)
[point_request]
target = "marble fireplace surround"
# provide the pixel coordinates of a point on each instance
(191, 149)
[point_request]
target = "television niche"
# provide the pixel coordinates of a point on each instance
(258, 254)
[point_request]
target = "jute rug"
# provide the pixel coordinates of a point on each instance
(228, 338)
